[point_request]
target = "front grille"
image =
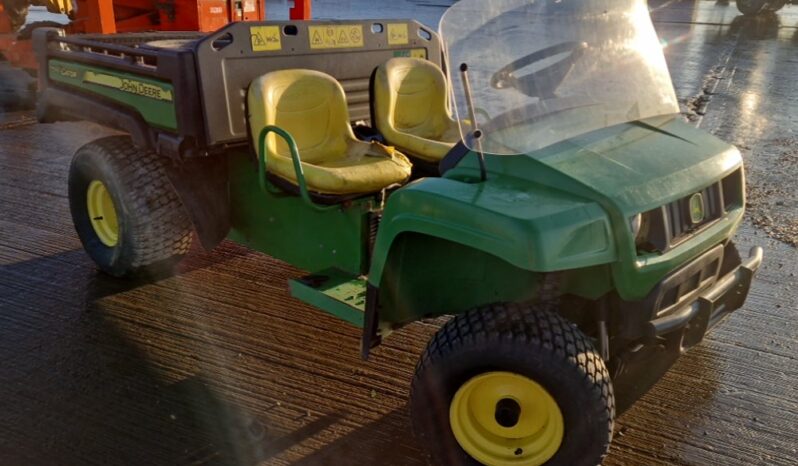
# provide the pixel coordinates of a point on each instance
(678, 213)
(672, 224)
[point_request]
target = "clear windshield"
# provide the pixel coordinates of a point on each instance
(542, 71)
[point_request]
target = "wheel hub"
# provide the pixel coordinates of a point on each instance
(102, 213)
(507, 412)
(502, 418)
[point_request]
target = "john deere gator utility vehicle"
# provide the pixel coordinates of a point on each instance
(544, 191)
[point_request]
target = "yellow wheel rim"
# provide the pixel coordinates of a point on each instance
(501, 418)
(102, 213)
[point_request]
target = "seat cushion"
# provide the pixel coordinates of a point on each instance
(367, 168)
(410, 108)
(429, 150)
(311, 106)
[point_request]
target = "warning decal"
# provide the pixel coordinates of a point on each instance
(414, 53)
(265, 38)
(418, 53)
(397, 34)
(335, 37)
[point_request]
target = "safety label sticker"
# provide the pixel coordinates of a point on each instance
(265, 38)
(336, 37)
(414, 53)
(397, 34)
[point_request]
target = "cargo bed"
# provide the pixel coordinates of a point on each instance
(183, 94)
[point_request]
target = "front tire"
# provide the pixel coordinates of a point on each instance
(126, 212)
(512, 385)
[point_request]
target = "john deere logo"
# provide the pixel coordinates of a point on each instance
(696, 208)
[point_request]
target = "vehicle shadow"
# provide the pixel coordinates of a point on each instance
(74, 387)
(89, 394)
(390, 439)
(73, 274)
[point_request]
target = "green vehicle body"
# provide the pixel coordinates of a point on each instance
(447, 244)
(452, 243)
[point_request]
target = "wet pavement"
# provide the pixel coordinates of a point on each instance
(219, 365)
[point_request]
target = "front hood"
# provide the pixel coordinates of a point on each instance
(643, 165)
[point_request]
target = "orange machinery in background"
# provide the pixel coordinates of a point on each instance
(113, 16)
(17, 51)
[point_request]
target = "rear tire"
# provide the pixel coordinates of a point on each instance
(533, 345)
(151, 230)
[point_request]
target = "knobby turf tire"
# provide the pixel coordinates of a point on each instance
(535, 343)
(154, 227)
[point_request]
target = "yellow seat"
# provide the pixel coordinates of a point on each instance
(410, 108)
(311, 106)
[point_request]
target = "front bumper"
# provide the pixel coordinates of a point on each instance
(712, 305)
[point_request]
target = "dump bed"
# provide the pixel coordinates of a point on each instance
(184, 94)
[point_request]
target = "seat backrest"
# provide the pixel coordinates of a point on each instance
(310, 105)
(410, 97)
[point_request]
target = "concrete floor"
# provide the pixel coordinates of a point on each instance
(219, 365)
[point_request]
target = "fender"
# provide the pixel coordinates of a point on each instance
(532, 228)
(493, 240)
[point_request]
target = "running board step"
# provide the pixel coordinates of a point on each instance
(335, 292)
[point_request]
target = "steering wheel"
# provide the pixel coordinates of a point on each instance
(541, 83)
